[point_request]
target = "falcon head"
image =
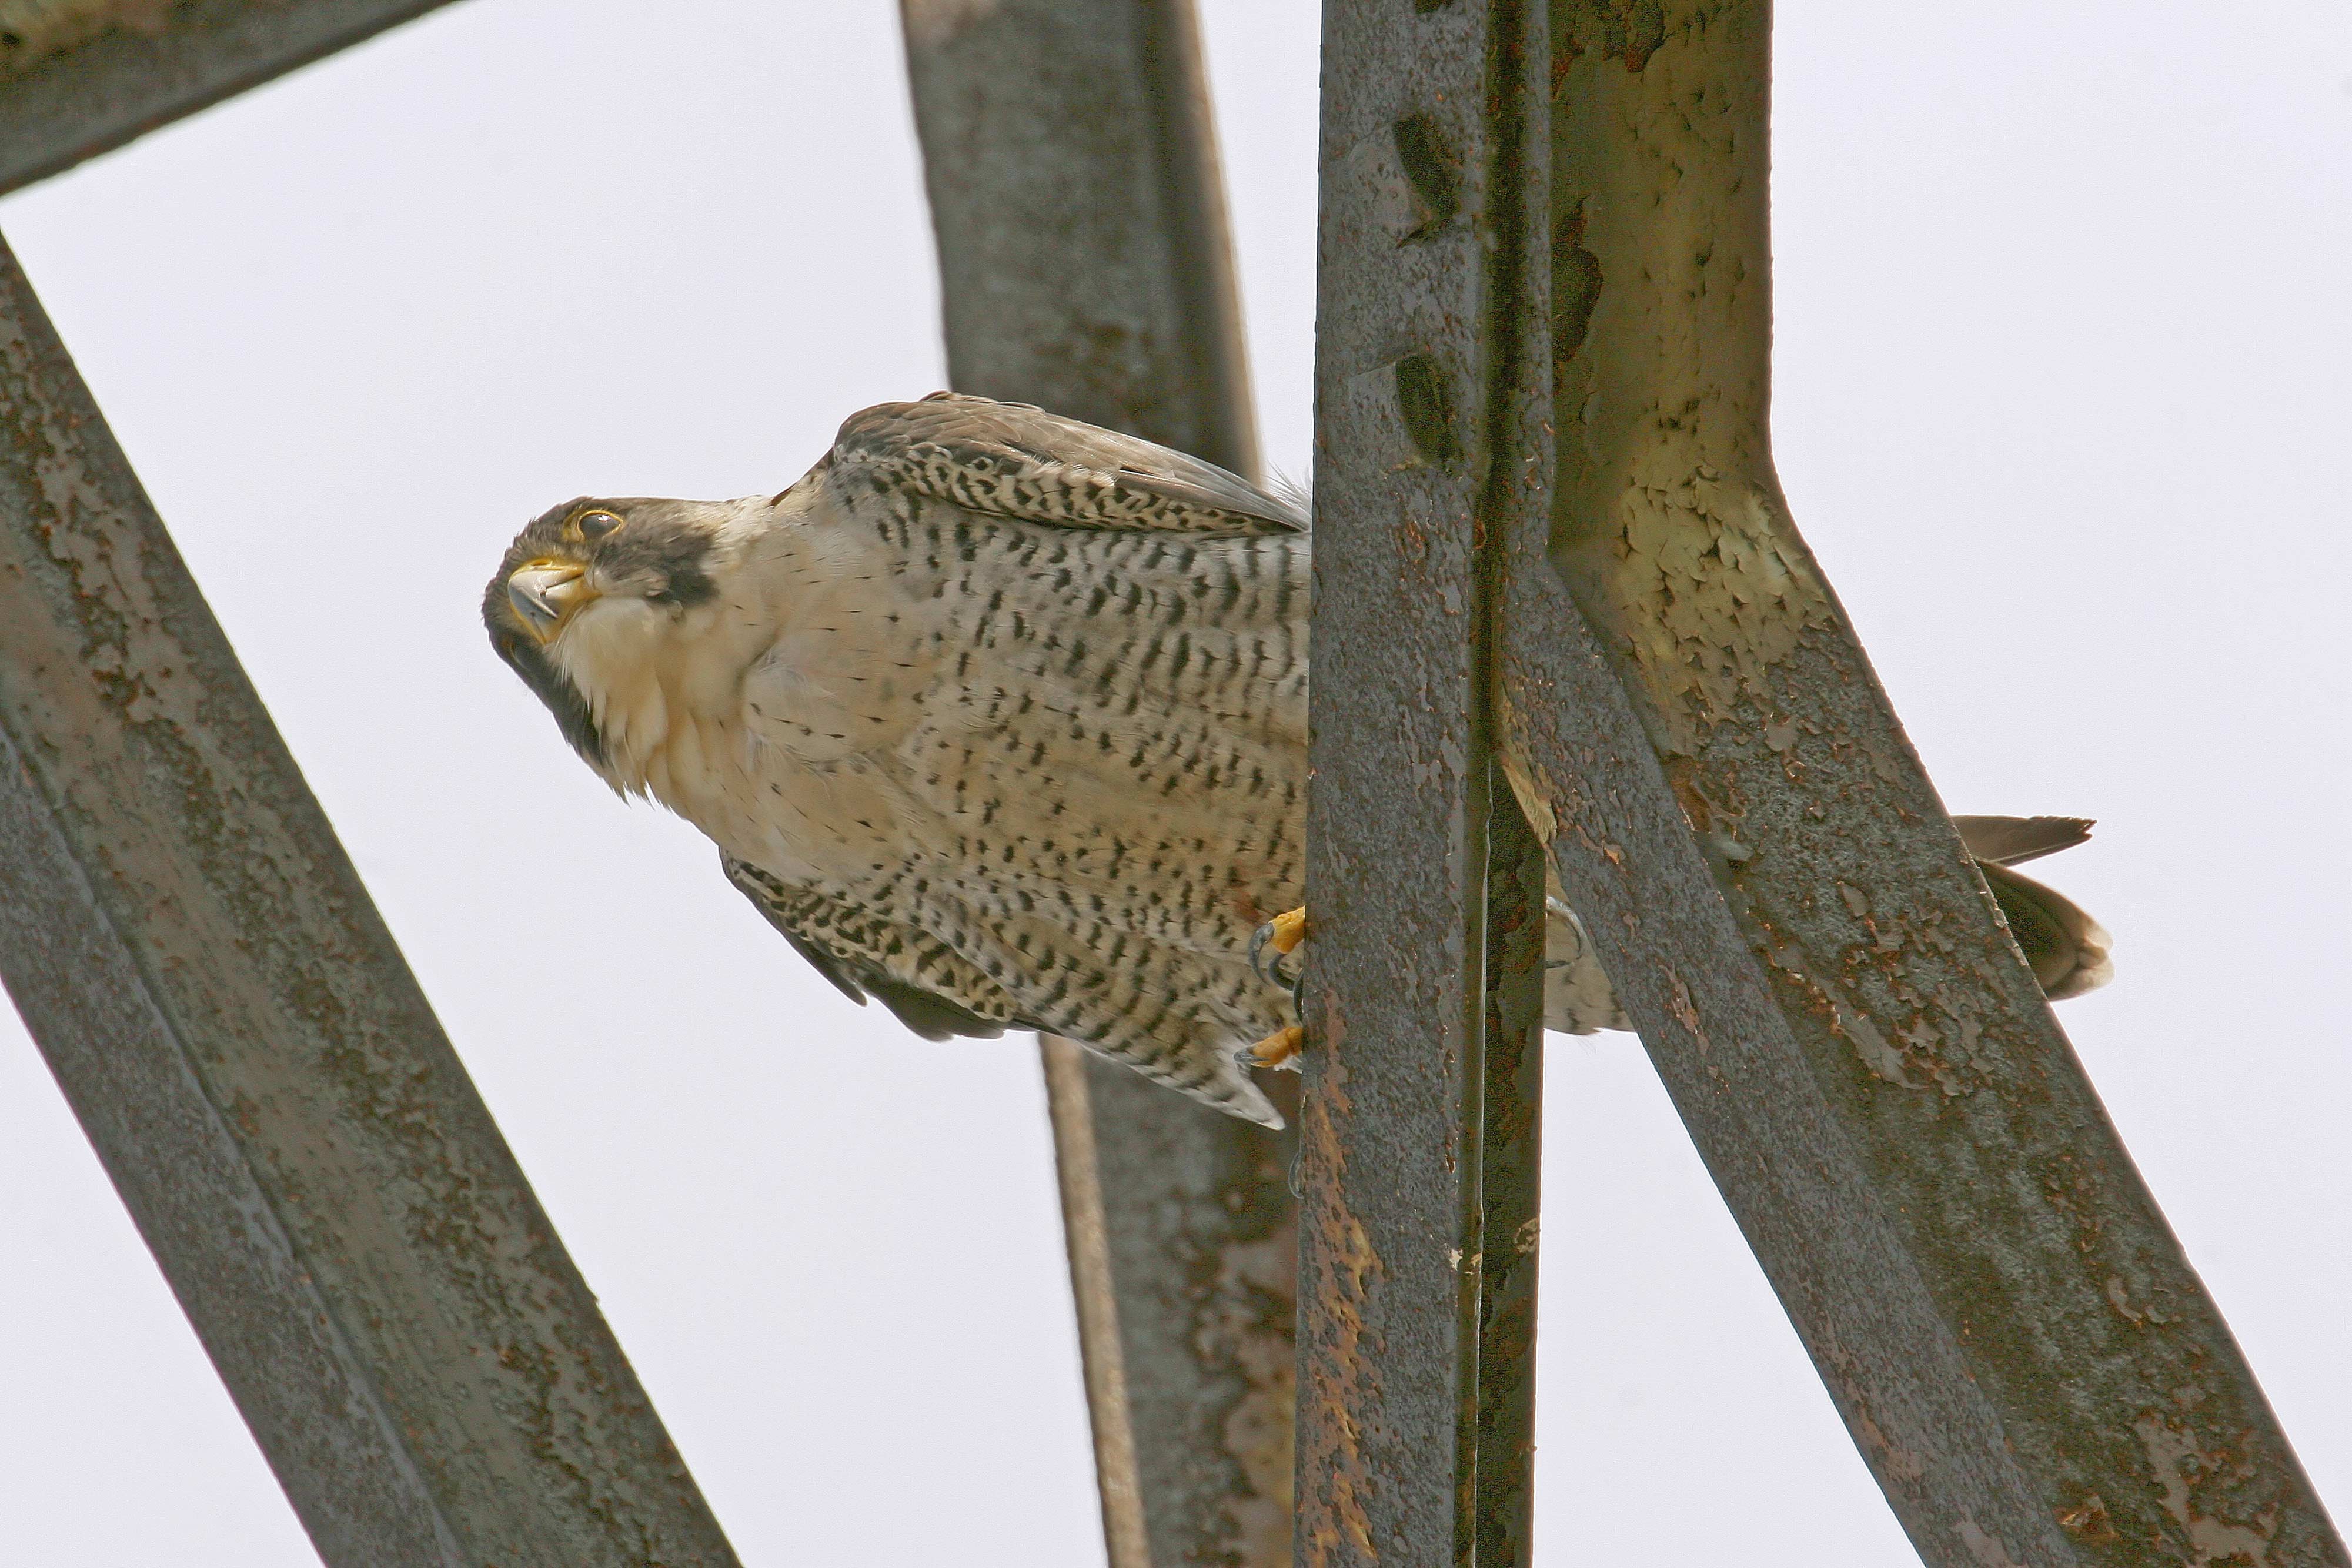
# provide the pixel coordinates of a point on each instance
(593, 589)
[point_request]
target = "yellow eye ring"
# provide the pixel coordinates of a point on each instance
(592, 523)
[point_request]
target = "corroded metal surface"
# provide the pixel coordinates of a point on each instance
(1422, 1070)
(32, 31)
(1085, 265)
(1094, 1287)
(1201, 1235)
(425, 1371)
(78, 78)
(2016, 1343)
(1511, 1169)
(1518, 497)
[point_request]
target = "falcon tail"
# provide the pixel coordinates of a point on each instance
(2067, 950)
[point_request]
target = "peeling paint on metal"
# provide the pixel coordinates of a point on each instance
(2180, 1465)
(1706, 593)
(1347, 1373)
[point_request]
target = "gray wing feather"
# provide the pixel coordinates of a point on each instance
(1017, 461)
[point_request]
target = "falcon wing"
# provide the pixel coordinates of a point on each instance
(1017, 461)
(932, 989)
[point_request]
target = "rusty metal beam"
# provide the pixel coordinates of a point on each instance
(1510, 1182)
(2018, 1345)
(78, 78)
(1086, 265)
(265, 1085)
(1422, 1107)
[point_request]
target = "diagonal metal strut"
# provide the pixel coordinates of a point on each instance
(2022, 1352)
(78, 78)
(421, 1365)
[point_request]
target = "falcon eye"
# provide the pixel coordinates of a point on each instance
(595, 524)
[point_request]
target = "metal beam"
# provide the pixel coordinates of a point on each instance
(1510, 1172)
(1422, 1105)
(1085, 255)
(264, 1082)
(2018, 1345)
(78, 78)
(1086, 265)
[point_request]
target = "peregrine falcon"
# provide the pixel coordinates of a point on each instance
(1001, 719)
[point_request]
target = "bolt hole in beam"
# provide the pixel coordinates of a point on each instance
(1431, 169)
(1427, 408)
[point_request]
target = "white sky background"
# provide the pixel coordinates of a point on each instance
(2064, 402)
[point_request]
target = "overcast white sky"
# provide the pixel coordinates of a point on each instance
(2064, 402)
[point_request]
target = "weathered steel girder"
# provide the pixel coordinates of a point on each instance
(1421, 1114)
(421, 1365)
(78, 78)
(1552, 550)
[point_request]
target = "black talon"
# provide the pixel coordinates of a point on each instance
(1258, 966)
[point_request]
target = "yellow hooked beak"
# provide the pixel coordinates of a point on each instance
(548, 593)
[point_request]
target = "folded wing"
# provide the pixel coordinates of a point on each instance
(1015, 461)
(933, 990)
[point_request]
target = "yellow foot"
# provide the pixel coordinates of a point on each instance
(1288, 930)
(1280, 1048)
(1283, 933)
